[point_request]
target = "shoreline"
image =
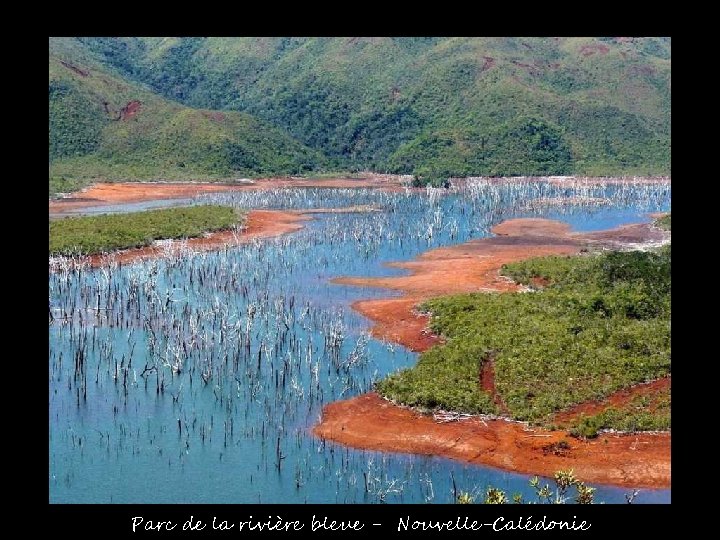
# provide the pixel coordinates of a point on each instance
(259, 224)
(368, 421)
(109, 193)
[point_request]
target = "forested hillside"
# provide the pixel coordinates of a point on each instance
(430, 106)
(103, 126)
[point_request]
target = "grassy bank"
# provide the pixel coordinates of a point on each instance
(663, 222)
(96, 234)
(601, 324)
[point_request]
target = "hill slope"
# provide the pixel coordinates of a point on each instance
(102, 125)
(172, 108)
(431, 105)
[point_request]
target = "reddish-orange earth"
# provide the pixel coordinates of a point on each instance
(618, 399)
(368, 421)
(487, 383)
(589, 50)
(259, 224)
(102, 194)
(489, 62)
(471, 267)
(130, 110)
(371, 422)
(81, 72)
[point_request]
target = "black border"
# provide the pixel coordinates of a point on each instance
(600, 520)
(116, 520)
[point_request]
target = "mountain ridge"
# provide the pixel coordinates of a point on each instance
(436, 107)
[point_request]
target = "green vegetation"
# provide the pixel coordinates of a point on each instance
(105, 127)
(663, 222)
(435, 107)
(95, 234)
(565, 484)
(643, 413)
(602, 324)
(435, 181)
(60, 184)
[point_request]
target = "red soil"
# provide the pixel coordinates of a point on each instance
(487, 383)
(260, 224)
(531, 69)
(81, 72)
(618, 399)
(368, 421)
(130, 110)
(637, 233)
(130, 192)
(217, 116)
(469, 267)
(102, 194)
(396, 320)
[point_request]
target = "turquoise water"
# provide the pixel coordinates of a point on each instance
(197, 378)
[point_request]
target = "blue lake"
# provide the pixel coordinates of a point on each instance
(197, 379)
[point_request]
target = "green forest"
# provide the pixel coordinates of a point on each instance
(218, 108)
(87, 235)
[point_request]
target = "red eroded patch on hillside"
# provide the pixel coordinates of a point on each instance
(217, 116)
(530, 68)
(130, 110)
(487, 383)
(589, 50)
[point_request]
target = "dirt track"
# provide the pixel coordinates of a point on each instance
(617, 399)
